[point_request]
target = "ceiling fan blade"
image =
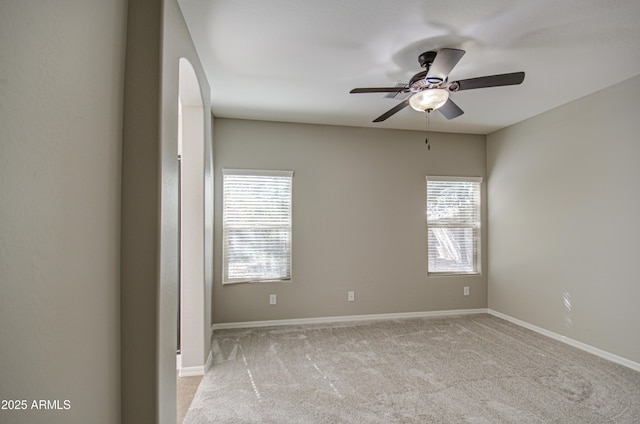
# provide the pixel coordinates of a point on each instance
(378, 90)
(444, 62)
(450, 110)
(393, 110)
(513, 78)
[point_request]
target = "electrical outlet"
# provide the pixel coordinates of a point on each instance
(351, 296)
(272, 299)
(466, 291)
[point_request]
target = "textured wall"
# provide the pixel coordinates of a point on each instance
(358, 219)
(61, 77)
(563, 228)
(157, 38)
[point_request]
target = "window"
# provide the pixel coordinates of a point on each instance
(256, 220)
(453, 225)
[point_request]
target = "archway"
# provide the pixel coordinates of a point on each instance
(192, 294)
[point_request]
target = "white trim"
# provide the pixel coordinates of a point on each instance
(582, 346)
(191, 371)
(454, 178)
(345, 318)
(258, 172)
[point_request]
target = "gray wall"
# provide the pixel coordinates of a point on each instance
(61, 79)
(140, 217)
(564, 239)
(157, 38)
(358, 219)
(177, 44)
(88, 225)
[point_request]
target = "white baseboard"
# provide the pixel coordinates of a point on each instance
(191, 371)
(327, 320)
(582, 346)
(344, 318)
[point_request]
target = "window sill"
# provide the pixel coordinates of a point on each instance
(277, 280)
(453, 274)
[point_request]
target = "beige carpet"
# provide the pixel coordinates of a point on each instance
(467, 369)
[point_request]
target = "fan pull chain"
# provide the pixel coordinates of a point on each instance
(426, 139)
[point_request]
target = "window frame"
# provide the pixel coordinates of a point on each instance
(225, 262)
(477, 226)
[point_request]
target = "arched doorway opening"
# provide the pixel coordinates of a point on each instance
(192, 327)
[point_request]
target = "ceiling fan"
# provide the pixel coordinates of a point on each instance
(430, 88)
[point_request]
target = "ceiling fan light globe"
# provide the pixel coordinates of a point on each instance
(429, 99)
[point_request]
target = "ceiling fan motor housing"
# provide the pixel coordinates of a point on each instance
(419, 82)
(426, 59)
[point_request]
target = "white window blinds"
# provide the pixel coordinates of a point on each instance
(256, 220)
(453, 225)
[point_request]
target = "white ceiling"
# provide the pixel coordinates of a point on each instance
(296, 60)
